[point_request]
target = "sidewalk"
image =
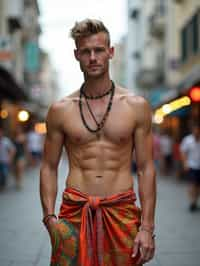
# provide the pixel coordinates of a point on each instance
(24, 241)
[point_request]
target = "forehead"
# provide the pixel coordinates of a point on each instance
(99, 39)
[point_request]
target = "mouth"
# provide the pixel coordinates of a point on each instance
(93, 66)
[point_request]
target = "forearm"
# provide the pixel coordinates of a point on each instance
(147, 194)
(48, 189)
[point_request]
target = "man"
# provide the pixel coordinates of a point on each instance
(99, 125)
(190, 149)
(7, 152)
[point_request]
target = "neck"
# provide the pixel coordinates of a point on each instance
(97, 86)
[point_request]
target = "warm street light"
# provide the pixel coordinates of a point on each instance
(23, 116)
(40, 128)
(195, 94)
(4, 114)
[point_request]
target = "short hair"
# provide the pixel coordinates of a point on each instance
(88, 27)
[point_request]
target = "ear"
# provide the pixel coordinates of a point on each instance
(76, 54)
(111, 52)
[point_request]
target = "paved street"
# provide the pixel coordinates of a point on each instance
(24, 241)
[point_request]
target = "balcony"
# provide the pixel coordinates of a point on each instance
(157, 23)
(149, 78)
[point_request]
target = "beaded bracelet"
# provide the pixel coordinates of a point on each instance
(151, 231)
(47, 217)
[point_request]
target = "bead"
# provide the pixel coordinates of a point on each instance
(101, 124)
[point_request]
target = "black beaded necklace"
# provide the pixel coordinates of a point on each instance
(88, 97)
(100, 125)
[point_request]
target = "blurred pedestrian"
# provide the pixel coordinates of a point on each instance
(177, 164)
(166, 148)
(7, 152)
(19, 159)
(190, 148)
(34, 147)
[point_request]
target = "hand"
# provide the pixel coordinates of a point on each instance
(144, 244)
(51, 224)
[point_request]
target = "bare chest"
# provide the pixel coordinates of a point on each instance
(118, 128)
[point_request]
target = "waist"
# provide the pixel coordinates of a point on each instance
(100, 183)
(74, 199)
(85, 195)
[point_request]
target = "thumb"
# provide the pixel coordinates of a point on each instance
(135, 249)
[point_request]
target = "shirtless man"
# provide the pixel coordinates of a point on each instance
(99, 126)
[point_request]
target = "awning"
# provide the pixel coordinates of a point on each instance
(9, 89)
(159, 96)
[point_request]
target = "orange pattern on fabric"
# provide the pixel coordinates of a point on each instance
(107, 226)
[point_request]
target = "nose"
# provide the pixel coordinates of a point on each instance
(92, 55)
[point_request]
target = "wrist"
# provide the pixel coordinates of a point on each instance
(48, 217)
(148, 229)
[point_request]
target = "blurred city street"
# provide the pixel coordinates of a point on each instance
(24, 241)
(155, 50)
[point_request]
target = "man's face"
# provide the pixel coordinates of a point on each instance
(93, 54)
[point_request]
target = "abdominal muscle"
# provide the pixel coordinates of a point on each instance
(100, 169)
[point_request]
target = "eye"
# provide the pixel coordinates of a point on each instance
(99, 50)
(85, 52)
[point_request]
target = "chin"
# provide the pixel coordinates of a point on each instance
(94, 74)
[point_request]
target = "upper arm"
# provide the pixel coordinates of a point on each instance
(53, 143)
(143, 134)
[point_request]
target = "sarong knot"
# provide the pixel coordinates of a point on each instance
(94, 202)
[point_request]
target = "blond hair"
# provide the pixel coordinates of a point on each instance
(88, 27)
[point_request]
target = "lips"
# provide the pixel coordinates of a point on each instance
(93, 66)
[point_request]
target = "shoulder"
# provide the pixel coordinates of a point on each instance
(63, 105)
(133, 100)
(8, 142)
(138, 105)
(188, 139)
(186, 142)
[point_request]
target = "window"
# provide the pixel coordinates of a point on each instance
(190, 34)
(184, 44)
(195, 33)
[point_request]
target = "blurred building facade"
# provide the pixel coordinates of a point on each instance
(27, 78)
(163, 55)
(118, 63)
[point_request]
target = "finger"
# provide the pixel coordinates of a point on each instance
(149, 254)
(139, 262)
(135, 249)
(144, 252)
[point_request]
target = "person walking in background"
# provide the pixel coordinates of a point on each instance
(34, 147)
(19, 159)
(7, 152)
(177, 163)
(190, 151)
(166, 148)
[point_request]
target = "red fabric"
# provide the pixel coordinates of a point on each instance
(105, 224)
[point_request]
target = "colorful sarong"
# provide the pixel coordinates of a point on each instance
(95, 231)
